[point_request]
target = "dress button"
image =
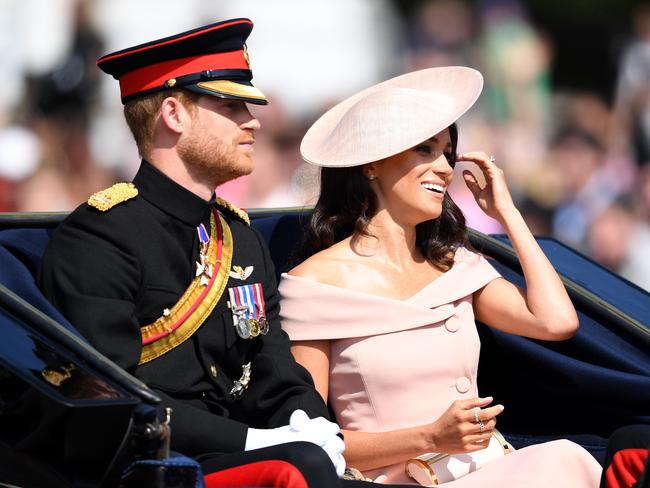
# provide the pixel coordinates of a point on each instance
(452, 324)
(213, 370)
(455, 322)
(463, 384)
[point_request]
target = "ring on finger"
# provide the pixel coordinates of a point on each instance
(481, 426)
(476, 417)
(492, 159)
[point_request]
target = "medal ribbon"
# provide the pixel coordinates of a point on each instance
(236, 304)
(242, 299)
(259, 300)
(246, 298)
(203, 234)
(246, 303)
(198, 301)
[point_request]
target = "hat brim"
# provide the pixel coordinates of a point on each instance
(391, 117)
(230, 89)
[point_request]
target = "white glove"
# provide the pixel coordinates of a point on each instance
(318, 431)
(333, 445)
(334, 448)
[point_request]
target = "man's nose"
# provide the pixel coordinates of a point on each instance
(252, 124)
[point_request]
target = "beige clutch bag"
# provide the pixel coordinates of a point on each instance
(432, 469)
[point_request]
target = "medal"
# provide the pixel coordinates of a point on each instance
(241, 384)
(264, 325)
(247, 307)
(254, 327)
(258, 293)
(242, 327)
(203, 268)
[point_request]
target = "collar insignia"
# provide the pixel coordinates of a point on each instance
(233, 210)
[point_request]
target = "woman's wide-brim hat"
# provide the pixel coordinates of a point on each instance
(391, 117)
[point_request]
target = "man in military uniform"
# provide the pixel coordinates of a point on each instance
(173, 284)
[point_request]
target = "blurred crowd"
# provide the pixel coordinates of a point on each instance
(577, 164)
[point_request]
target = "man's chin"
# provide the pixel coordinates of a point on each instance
(234, 175)
(245, 170)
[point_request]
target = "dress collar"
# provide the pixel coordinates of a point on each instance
(170, 197)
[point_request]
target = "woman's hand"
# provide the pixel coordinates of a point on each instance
(465, 426)
(494, 199)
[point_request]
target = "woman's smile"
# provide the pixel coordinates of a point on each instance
(436, 190)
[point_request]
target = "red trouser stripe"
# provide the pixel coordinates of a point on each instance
(626, 468)
(273, 474)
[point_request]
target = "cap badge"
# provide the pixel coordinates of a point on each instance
(247, 58)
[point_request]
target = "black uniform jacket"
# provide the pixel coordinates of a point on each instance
(112, 272)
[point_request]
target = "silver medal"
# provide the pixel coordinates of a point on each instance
(242, 327)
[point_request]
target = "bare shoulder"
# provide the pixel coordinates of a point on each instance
(326, 265)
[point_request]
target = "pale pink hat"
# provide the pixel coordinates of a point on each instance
(391, 117)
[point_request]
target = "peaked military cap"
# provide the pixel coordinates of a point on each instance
(211, 60)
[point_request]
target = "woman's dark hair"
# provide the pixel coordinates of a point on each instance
(347, 203)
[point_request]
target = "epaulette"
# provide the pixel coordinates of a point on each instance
(235, 211)
(106, 199)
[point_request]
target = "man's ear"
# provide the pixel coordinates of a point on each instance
(174, 114)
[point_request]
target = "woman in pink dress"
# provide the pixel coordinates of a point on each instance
(382, 312)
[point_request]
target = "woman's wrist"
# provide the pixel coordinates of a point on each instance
(508, 214)
(427, 438)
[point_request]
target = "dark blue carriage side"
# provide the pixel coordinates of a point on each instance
(581, 389)
(615, 299)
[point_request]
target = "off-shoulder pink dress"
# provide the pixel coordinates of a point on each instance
(396, 364)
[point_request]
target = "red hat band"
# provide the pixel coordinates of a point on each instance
(156, 75)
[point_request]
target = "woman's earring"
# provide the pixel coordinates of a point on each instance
(371, 177)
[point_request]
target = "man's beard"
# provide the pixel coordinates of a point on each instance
(211, 160)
